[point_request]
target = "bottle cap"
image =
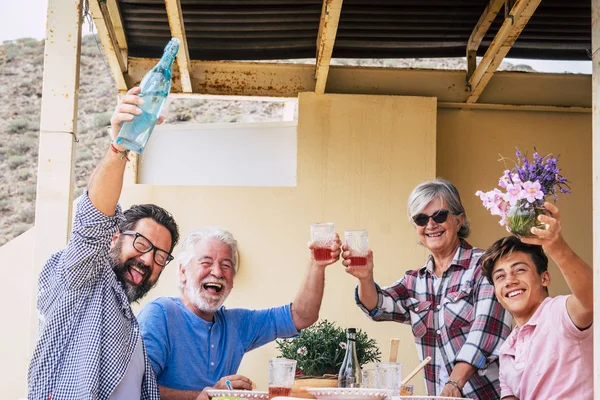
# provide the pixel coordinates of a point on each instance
(351, 330)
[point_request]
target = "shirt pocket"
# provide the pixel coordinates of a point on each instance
(458, 309)
(420, 317)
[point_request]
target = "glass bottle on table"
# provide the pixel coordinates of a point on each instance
(155, 88)
(350, 375)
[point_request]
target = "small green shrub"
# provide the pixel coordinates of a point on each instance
(17, 125)
(21, 146)
(102, 119)
(16, 161)
(23, 174)
(84, 154)
(29, 192)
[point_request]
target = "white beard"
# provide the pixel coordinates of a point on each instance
(202, 301)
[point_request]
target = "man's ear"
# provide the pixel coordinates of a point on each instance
(182, 277)
(115, 237)
(546, 279)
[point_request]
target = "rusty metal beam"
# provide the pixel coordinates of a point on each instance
(176, 24)
(227, 78)
(330, 18)
(117, 59)
(508, 33)
(484, 23)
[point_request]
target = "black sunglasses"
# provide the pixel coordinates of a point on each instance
(439, 217)
(143, 245)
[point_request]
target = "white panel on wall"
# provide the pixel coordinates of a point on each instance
(250, 154)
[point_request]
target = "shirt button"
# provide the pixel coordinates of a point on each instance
(212, 363)
(416, 309)
(212, 346)
(438, 332)
(439, 306)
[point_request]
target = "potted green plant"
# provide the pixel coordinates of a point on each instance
(319, 351)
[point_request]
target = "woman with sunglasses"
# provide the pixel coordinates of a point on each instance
(455, 318)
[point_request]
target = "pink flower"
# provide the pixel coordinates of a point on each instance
(514, 193)
(343, 345)
(495, 203)
(532, 191)
(303, 351)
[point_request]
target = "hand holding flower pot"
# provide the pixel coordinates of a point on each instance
(525, 187)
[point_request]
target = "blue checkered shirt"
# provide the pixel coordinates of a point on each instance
(87, 332)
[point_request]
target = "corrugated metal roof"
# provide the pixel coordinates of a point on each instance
(287, 29)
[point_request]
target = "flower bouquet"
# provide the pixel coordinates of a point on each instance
(524, 190)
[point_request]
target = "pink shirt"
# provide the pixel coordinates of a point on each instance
(548, 357)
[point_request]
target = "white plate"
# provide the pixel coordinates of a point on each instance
(347, 393)
(245, 394)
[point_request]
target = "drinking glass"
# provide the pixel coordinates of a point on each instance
(358, 243)
(406, 390)
(390, 376)
(281, 376)
(322, 236)
(369, 379)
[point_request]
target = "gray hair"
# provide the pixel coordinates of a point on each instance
(441, 189)
(187, 252)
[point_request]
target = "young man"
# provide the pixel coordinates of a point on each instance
(549, 354)
(89, 344)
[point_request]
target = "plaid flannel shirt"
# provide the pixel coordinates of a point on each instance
(87, 332)
(474, 323)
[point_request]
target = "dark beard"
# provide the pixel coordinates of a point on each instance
(132, 291)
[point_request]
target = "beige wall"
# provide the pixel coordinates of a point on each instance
(358, 157)
(470, 144)
(16, 270)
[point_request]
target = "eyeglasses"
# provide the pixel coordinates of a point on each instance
(439, 217)
(143, 245)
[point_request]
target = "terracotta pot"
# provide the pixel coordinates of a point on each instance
(300, 385)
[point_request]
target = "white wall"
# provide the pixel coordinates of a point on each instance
(252, 154)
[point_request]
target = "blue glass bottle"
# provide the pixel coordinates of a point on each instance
(155, 86)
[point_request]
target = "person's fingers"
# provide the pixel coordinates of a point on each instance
(132, 99)
(128, 108)
(160, 120)
(117, 118)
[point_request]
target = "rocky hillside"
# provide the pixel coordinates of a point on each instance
(21, 64)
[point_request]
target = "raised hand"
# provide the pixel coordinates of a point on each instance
(334, 254)
(358, 271)
(127, 109)
(550, 239)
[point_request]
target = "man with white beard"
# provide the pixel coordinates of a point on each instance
(194, 343)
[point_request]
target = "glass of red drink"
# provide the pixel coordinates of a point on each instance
(322, 236)
(281, 376)
(358, 244)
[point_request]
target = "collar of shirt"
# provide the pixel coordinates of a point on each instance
(462, 258)
(509, 345)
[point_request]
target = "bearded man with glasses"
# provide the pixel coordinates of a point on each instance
(89, 344)
(455, 317)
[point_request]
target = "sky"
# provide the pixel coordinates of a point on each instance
(27, 18)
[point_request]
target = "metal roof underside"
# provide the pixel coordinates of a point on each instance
(288, 29)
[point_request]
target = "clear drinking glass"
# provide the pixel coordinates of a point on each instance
(322, 236)
(389, 377)
(358, 243)
(281, 376)
(369, 378)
